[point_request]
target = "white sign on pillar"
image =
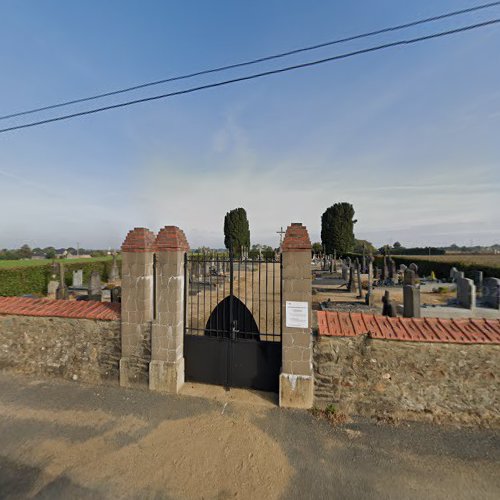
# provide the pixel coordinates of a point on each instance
(297, 314)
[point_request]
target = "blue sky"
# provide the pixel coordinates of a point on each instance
(409, 135)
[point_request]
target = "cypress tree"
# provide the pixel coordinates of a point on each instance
(236, 230)
(337, 228)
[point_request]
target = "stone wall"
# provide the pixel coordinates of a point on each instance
(87, 350)
(408, 380)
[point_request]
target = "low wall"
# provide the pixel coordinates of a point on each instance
(408, 380)
(87, 350)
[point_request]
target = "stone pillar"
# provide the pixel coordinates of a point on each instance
(62, 291)
(296, 378)
(166, 369)
(137, 300)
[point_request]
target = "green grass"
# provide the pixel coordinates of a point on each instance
(13, 264)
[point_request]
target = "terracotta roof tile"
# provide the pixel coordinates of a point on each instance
(462, 331)
(59, 308)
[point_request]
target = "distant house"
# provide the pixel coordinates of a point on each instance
(61, 253)
(38, 254)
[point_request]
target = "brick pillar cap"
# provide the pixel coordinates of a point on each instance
(140, 239)
(171, 238)
(296, 238)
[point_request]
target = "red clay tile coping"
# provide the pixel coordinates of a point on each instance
(296, 238)
(171, 238)
(459, 331)
(77, 309)
(140, 239)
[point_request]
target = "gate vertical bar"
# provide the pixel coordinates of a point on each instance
(231, 316)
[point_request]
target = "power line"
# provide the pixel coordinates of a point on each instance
(256, 61)
(257, 75)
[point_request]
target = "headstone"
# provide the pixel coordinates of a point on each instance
(385, 269)
(491, 292)
(411, 301)
(466, 293)
(392, 268)
(114, 274)
(477, 277)
(388, 308)
(369, 295)
(453, 272)
(363, 262)
(116, 294)
(334, 261)
(459, 274)
(409, 277)
(95, 288)
(78, 278)
(52, 289)
(360, 287)
(352, 279)
(345, 272)
(414, 267)
(402, 268)
(62, 291)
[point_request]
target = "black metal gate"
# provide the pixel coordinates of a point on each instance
(232, 318)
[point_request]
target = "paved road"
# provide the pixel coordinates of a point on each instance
(64, 440)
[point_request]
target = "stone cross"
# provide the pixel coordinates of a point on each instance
(114, 274)
(62, 291)
(385, 270)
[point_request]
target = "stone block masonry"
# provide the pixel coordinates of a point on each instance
(86, 350)
(408, 380)
(420, 369)
(296, 378)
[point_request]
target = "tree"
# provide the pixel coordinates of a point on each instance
(397, 245)
(360, 244)
(25, 252)
(337, 228)
(50, 253)
(317, 248)
(236, 230)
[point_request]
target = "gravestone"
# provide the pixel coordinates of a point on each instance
(358, 274)
(477, 277)
(385, 269)
(466, 293)
(363, 269)
(388, 308)
(411, 301)
(95, 287)
(402, 268)
(352, 279)
(369, 295)
(414, 268)
(459, 274)
(116, 294)
(453, 272)
(114, 274)
(491, 292)
(62, 291)
(335, 261)
(52, 289)
(78, 278)
(409, 277)
(345, 272)
(392, 268)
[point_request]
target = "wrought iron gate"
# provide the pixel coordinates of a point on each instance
(232, 318)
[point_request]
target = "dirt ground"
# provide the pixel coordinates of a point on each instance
(64, 440)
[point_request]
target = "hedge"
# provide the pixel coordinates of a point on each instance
(441, 269)
(34, 280)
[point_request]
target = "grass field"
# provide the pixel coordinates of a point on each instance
(492, 260)
(12, 264)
